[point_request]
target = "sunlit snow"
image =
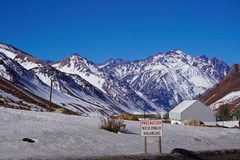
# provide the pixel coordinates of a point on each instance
(57, 135)
(94, 79)
(27, 65)
(8, 53)
(3, 73)
(226, 99)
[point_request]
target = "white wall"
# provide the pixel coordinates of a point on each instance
(210, 123)
(198, 111)
(228, 123)
(174, 116)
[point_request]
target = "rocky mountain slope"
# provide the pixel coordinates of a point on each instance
(169, 78)
(155, 84)
(35, 76)
(226, 92)
(117, 90)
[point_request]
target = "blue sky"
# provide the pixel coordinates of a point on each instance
(128, 29)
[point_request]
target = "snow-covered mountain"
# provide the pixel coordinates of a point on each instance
(76, 64)
(115, 89)
(169, 78)
(155, 84)
(80, 97)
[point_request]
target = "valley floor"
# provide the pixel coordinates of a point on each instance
(63, 135)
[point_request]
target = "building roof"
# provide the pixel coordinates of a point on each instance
(182, 106)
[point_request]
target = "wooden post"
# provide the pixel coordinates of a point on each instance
(160, 145)
(50, 97)
(145, 145)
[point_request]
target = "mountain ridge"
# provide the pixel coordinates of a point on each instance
(161, 71)
(154, 84)
(85, 100)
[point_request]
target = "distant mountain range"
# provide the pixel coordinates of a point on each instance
(155, 84)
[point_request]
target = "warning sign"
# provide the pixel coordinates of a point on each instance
(151, 128)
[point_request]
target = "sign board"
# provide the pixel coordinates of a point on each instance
(151, 128)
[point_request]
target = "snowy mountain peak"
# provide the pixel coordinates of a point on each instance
(75, 64)
(75, 57)
(177, 51)
(75, 54)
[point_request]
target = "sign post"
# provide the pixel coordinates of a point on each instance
(160, 144)
(145, 145)
(151, 128)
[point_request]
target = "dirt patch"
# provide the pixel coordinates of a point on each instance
(193, 122)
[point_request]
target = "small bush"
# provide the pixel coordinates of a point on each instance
(224, 112)
(112, 124)
(60, 110)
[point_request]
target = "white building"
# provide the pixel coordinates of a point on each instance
(192, 109)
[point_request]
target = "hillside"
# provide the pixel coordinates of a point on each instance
(226, 92)
(33, 75)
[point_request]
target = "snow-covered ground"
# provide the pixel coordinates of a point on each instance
(58, 135)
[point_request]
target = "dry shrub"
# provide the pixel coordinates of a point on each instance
(127, 117)
(112, 124)
(192, 122)
(64, 111)
(60, 110)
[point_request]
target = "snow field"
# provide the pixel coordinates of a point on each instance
(59, 135)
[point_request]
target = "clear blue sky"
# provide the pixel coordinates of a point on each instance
(128, 29)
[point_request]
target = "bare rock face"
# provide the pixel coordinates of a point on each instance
(234, 69)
